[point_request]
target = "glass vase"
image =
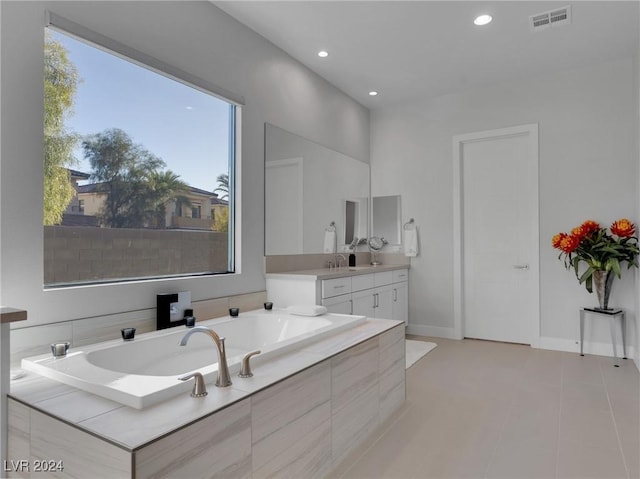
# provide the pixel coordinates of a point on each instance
(602, 282)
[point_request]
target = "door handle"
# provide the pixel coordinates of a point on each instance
(395, 294)
(521, 266)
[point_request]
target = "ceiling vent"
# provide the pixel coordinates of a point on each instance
(553, 18)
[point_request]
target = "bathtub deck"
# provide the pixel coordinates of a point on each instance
(113, 422)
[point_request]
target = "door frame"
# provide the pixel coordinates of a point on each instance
(298, 162)
(530, 130)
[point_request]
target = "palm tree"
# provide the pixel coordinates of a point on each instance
(167, 186)
(223, 185)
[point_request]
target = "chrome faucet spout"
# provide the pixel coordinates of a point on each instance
(224, 378)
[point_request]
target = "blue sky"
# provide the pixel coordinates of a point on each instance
(188, 129)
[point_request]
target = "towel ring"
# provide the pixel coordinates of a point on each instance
(409, 225)
(331, 227)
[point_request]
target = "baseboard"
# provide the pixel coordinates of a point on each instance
(434, 331)
(573, 346)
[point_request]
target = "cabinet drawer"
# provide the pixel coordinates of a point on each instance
(334, 287)
(360, 282)
(400, 275)
(380, 279)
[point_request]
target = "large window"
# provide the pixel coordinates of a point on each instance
(136, 163)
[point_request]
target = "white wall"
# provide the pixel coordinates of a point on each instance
(201, 40)
(637, 128)
(588, 157)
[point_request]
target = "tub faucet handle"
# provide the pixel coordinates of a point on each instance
(245, 369)
(199, 389)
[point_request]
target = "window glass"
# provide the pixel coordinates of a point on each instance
(137, 170)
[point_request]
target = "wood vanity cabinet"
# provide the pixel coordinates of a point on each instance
(381, 294)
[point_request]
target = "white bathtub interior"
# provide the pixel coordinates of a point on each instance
(145, 371)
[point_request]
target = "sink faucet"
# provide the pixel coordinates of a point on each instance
(339, 260)
(224, 379)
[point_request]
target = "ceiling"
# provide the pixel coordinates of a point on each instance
(422, 49)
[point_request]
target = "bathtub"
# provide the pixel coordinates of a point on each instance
(145, 371)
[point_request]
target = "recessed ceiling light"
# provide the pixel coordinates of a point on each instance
(323, 54)
(483, 20)
(373, 93)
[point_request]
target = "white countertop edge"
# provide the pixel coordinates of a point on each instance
(326, 273)
(157, 421)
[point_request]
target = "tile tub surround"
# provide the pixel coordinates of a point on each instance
(324, 408)
(31, 341)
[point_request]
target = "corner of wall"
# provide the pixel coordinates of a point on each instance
(636, 89)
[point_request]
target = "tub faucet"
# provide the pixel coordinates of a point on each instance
(224, 379)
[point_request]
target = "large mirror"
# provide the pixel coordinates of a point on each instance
(307, 188)
(386, 218)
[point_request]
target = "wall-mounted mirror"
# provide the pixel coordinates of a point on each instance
(356, 214)
(308, 186)
(386, 218)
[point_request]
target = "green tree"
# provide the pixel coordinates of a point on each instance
(221, 220)
(60, 85)
(167, 186)
(223, 185)
(124, 172)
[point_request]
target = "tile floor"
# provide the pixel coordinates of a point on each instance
(478, 409)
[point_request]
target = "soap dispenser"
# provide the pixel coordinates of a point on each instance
(352, 260)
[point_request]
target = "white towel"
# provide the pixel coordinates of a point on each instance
(306, 309)
(411, 242)
(329, 242)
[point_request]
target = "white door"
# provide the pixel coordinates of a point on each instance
(283, 206)
(498, 174)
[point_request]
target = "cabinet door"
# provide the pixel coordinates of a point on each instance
(383, 302)
(401, 302)
(363, 302)
(338, 304)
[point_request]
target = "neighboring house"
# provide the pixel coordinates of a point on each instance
(75, 214)
(198, 215)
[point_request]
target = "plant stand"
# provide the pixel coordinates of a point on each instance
(612, 314)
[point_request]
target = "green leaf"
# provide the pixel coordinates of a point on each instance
(615, 266)
(589, 284)
(587, 274)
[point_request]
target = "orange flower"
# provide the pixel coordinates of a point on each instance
(557, 239)
(585, 229)
(579, 232)
(590, 226)
(569, 243)
(623, 228)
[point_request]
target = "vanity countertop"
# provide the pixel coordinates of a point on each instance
(113, 422)
(326, 273)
